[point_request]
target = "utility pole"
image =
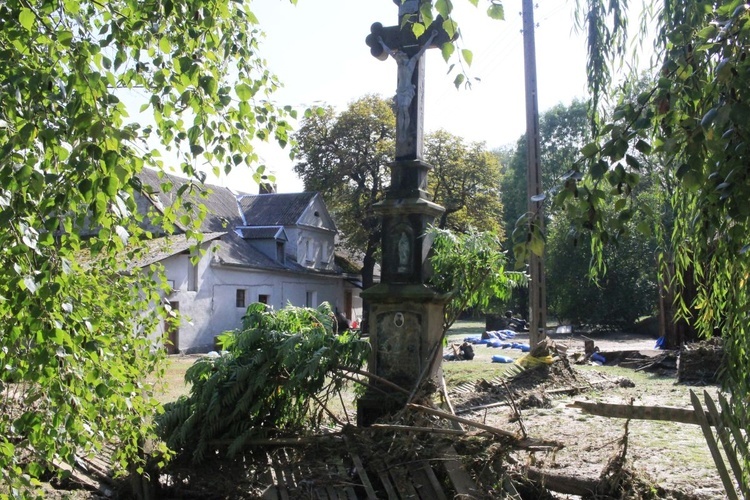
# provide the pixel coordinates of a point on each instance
(537, 288)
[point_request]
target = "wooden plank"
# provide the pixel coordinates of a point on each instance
(724, 438)
(568, 485)
(321, 493)
(269, 476)
(278, 478)
(636, 412)
(462, 481)
(80, 477)
(739, 439)
(386, 482)
(403, 484)
(426, 483)
(429, 430)
(347, 490)
(361, 472)
(713, 447)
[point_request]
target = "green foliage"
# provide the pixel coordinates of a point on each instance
(275, 376)
(696, 116)
(617, 298)
(562, 130)
(471, 267)
(75, 345)
(464, 180)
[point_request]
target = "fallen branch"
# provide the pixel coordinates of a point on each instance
(454, 418)
(667, 413)
(374, 377)
(569, 485)
(409, 428)
(280, 441)
(481, 407)
(516, 411)
(568, 390)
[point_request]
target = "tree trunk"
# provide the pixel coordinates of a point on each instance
(677, 331)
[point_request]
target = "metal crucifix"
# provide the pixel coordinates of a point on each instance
(400, 43)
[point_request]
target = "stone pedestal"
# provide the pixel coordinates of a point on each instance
(406, 329)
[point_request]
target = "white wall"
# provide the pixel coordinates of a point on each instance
(212, 309)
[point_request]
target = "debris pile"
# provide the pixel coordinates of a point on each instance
(700, 362)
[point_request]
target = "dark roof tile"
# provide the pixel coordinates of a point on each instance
(278, 209)
(222, 212)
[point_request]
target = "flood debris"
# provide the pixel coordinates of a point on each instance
(700, 362)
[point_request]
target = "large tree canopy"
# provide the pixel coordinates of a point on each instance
(464, 180)
(563, 130)
(74, 346)
(346, 158)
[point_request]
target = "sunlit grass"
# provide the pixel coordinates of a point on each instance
(173, 385)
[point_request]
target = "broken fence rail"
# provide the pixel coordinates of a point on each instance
(710, 417)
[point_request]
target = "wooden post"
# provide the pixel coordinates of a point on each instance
(537, 288)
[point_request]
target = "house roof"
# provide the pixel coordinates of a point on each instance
(222, 212)
(159, 249)
(274, 209)
(237, 219)
(263, 233)
(233, 250)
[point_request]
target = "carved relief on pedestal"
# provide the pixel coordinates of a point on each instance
(398, 351)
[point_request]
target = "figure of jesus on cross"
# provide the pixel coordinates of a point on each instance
(406, 90)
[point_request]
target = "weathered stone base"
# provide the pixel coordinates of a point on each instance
(406, 331)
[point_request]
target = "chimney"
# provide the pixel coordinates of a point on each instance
(266, 186)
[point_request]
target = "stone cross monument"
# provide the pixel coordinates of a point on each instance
(406, 315)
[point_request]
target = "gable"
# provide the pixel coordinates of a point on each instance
(316, 215)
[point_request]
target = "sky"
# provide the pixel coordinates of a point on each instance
(317, 49)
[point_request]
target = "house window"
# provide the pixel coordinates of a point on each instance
(263, 299)
(280, 251)
(310, 299)
(240, 297)
(172, 329)
(192, 275)
(308, 251)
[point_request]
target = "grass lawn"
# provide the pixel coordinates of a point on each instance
(481, 367)
(173, 385)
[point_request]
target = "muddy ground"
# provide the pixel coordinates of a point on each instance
(672, 458)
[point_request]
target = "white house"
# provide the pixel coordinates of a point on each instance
(272, 248)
